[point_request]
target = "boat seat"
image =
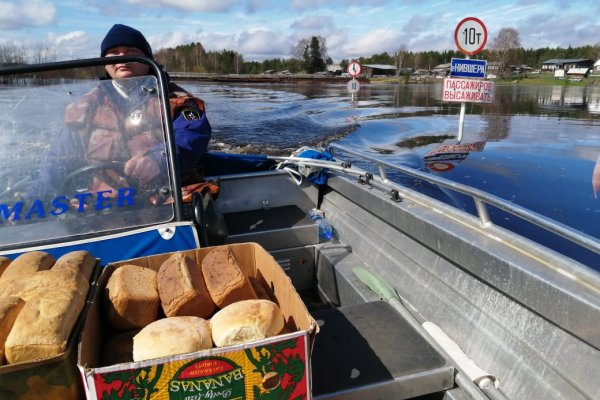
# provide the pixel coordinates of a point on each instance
(273, 228)
(369, 351)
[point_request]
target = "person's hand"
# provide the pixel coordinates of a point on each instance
(142, 168)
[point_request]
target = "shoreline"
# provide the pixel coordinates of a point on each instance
(309, 79)
(264, 78)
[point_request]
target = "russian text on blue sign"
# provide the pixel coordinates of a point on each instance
(467, 68)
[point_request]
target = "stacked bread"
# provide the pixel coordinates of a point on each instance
(184, 307)
(40, 301)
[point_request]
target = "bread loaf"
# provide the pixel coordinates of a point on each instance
(4, 263)
(182, 289)
(131, 297)
(43, 326)
(77, 261)
(224, 279)
(25, 265)
(42, 281)
(170, 336)
(9, 309)
(245, 321)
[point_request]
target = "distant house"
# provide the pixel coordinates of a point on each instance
(335, 69)
(566, 63)
(370, 70)
(422, 73)
(441, 70)
(595, 69)
(578, 74)
(497, 69)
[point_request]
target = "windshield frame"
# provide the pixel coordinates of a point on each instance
(162, 83)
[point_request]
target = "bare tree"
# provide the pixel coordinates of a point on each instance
(12, 55)
(597, 51)
(417, 61)
(400, 57)
(42, 54)
(505, 47)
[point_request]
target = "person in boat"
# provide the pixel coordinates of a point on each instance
(96, 132)
(190, 124)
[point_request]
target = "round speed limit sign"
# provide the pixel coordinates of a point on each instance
(353, 86)
(470, 36)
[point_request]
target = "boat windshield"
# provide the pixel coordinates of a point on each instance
(69, 157)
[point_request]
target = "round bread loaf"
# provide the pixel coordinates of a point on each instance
(170, 336)
(246, 320)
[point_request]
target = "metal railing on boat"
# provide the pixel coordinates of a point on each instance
(480, 198)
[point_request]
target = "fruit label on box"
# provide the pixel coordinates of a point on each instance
(276, 368)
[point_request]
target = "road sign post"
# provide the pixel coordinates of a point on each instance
(467, 90)
(470, 37)
(467, 68)
(354, 70)
(353, 87)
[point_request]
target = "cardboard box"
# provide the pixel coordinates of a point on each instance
(274, 368)
(52, 378)
(56, 377)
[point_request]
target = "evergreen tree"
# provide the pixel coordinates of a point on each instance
(313, 57)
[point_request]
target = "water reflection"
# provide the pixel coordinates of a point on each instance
(586, 98)
(539, 147)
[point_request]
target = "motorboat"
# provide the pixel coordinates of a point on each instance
(415, 298)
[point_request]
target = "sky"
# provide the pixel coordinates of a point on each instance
(266, 29)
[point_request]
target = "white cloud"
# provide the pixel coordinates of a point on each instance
(217, 6)
(314, 23)
(170, 39)
(38, 12)
(374, 42)
(9, 16)
(26, 14)
(312, 4)
(76, 44)
(265, 44)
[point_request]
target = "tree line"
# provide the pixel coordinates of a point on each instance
(310, 55)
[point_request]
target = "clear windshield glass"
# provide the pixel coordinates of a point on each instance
(81, 158)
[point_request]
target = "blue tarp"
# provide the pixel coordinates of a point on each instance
(134, 244)
(319, 176)
(216, 163)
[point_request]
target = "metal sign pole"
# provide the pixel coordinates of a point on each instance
(461, 118)
(470, 37)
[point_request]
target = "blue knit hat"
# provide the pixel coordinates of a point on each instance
(123, 35)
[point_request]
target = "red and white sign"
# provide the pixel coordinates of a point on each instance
(468, 90)
(470, 36)
(440, 166)
(457, 148)
(354, 69)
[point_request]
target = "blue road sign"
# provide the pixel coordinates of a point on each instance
(467, 68)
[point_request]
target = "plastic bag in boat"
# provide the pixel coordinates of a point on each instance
(316, 175)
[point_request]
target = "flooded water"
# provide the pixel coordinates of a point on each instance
(534, 146)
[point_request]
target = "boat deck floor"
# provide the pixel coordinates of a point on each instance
(369, 351)
(365, 349)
